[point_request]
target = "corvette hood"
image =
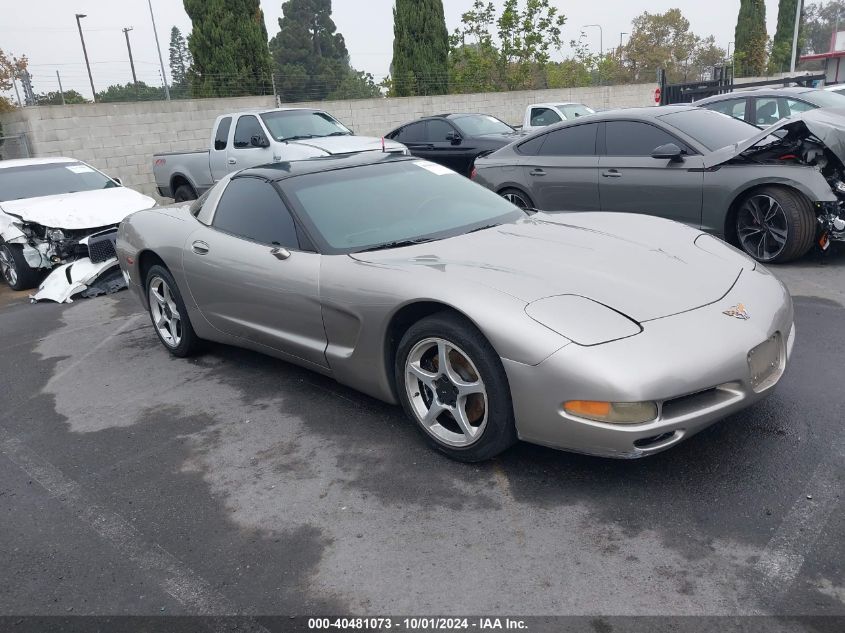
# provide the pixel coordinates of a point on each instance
(826, 124)
(80, 210)
(349, 144)
(642, 266)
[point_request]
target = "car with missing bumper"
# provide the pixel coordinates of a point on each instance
(774, 193)
(615, 335)
(59, 216)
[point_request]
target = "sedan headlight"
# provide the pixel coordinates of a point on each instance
(612, 412)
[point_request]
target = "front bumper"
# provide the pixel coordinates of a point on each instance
(695, 365)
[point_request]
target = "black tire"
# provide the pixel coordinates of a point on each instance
(14, 269)
(517, 197)
(499, 432)
(188, 342)
(799, 220)
(184, 193)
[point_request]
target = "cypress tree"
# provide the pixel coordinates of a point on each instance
(750, 38)
(782, 44)
(228, 45)
(420, 48)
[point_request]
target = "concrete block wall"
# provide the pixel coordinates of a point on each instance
(120, 138)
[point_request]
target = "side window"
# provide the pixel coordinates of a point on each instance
(573, 140)
(541, 117)
(731, 107)
(631, 138)
(413, 133)
(437, 130)
(532, 146)
(766, 111)
(251, 208)
(221, 139)
(796, 106)
(247, 127)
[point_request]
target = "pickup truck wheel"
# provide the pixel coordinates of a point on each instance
(14, 270)
(184, 193)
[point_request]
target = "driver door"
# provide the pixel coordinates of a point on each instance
(249, 277)
(242, 153)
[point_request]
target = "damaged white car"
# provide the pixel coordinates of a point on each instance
(60, 216)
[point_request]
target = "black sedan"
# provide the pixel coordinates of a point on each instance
(454, 140)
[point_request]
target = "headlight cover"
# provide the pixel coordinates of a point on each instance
(582, 320)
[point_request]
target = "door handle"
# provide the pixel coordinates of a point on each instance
(280, 253)
(232, 161)
(611, 173)
(199, 247)
(537, 172)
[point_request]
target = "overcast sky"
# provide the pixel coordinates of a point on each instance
(45, 31)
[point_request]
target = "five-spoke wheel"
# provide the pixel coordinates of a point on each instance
(168, 313)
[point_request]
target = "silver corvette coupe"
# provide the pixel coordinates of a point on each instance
(615, 335)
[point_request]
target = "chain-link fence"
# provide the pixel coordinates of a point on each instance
(15, 146)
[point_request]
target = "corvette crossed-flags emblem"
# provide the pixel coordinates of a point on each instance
(738, 312)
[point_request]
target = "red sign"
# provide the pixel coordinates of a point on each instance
(657, 95)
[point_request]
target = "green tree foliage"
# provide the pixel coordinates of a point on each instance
(781, 55)
(228, 45)
(311, 59)
(10, 67)
(750, 39)
(526, 37)
(420, 48)
(180, 64)
(660, 40)
(819, 21)
(130, 92)
(72, 97)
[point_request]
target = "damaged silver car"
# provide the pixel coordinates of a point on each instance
(58, 218)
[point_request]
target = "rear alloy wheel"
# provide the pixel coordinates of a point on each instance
(452, 384)
(775, 225)
(517, 198)
(14, 269)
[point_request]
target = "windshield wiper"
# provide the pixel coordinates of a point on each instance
(396, 244)
(339, 134)
(297, 137)
(484, 228)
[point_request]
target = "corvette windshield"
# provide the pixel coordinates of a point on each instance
(50, 179)
(395, 204)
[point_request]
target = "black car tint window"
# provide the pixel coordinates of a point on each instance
(251, 208)
(437, 130)
(575, 140)
(247, 127)
(413, 133)
(222, 137)
(631, 138)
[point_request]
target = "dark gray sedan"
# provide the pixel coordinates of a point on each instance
(772, 194)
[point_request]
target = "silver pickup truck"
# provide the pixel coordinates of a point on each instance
(257, 137)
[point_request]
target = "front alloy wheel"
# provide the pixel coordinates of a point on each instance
(166, 317)
(7, 267)
(762, 227)
(446, 392)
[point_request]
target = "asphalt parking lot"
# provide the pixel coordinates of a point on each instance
(135, 483)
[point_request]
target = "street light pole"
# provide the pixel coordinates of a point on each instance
(621, 35)
(158, 48)
(601, 37)
(79, 16)
(798, 7)
(131, 61)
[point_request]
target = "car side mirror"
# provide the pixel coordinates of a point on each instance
(670, 152)
(117, 180)
(454, 138)
(259, 141)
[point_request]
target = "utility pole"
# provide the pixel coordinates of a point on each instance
(61, 92)
(131, 61)
(621, 35)
(798, 8)
(79, 16)
(158, 48)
